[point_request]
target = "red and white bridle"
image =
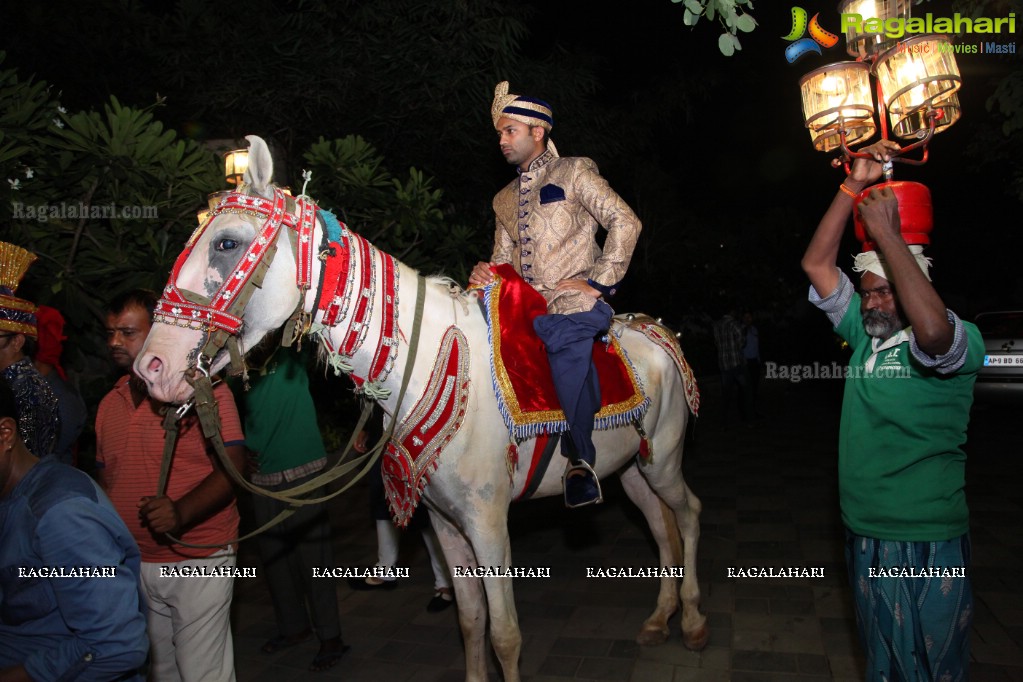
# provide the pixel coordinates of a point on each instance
(222, 311)
(220, 315)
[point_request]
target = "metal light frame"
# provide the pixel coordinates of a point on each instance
(918, 108)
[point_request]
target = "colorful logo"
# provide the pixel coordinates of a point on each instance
(801, 46)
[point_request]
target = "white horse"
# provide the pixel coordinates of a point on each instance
(473, 484)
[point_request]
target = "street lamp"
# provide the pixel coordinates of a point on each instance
(235, 163)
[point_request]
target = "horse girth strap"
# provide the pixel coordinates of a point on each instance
(209, 418)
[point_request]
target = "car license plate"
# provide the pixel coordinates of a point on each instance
(1014, 360)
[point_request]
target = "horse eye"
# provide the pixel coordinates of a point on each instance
(226, 245)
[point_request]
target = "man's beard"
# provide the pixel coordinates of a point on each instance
(881, 325)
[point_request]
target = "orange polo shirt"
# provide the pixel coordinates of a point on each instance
(129, 446)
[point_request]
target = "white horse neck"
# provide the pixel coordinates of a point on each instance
(375, 301)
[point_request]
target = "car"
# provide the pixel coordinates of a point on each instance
(1001, 376)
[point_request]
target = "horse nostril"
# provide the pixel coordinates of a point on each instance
(154, 365)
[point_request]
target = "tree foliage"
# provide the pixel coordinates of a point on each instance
(104, 198)
(402, 215)
(731, 14)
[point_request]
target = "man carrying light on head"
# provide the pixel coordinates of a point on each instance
(901, 466)
(547, 221)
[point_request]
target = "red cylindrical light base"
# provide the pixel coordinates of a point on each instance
(916, 215)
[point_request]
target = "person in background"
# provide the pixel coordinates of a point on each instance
(751, 352)
(283, 437)
(70, 607)
(38, 415)
(389, 536)
(70, 405)
(728, 338)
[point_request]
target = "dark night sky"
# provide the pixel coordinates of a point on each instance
(747, 143)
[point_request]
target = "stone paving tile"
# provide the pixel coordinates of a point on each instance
(747, 605)
(696, 675)
(772, 531)
(582, 646)
(799, 607)
(989, 673)
(842, 644)
(776, 677)
(812, 664)
(625, 648)
(785, 642)
(648, 671)
(847, 666)
(605, 669)
(564, 666)
(673, 653)
(763, 661)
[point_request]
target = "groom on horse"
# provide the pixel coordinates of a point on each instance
(547, 221)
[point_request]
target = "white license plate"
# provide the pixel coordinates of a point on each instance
(1015, 360)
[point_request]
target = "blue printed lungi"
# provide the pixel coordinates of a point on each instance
(913, 628)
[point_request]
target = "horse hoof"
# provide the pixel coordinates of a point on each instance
(697, 639)
(652, 635)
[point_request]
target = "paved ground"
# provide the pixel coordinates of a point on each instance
(770, 498)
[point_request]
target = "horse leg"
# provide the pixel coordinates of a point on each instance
(694, 623)
(469, 597)
(493, 549)
(679, 499)
(669, 546)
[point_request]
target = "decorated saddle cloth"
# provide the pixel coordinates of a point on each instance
(522, 374)
(416, 445)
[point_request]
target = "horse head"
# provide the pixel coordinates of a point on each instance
(227, 287)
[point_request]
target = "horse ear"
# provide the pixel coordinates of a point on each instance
(260, 171)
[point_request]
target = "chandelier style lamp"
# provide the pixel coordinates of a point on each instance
(916, 81)
(915, 84)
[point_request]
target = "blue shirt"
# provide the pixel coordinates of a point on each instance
(91, 627)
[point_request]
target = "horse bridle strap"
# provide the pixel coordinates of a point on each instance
(219, 315)
(209, 418)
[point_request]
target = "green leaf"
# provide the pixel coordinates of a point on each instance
(746, 23)
(690, 19)
(694, 6)
(726, 45)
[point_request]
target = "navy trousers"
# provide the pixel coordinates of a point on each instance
(569, 341)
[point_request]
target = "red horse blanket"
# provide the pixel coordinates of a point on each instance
(522, 375)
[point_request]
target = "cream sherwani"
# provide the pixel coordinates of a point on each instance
(547, 223)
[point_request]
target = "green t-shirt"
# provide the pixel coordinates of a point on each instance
(279, 415)
(901, 467)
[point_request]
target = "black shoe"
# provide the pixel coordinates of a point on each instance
(582, 487)
(439, 603)
(362, 585)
